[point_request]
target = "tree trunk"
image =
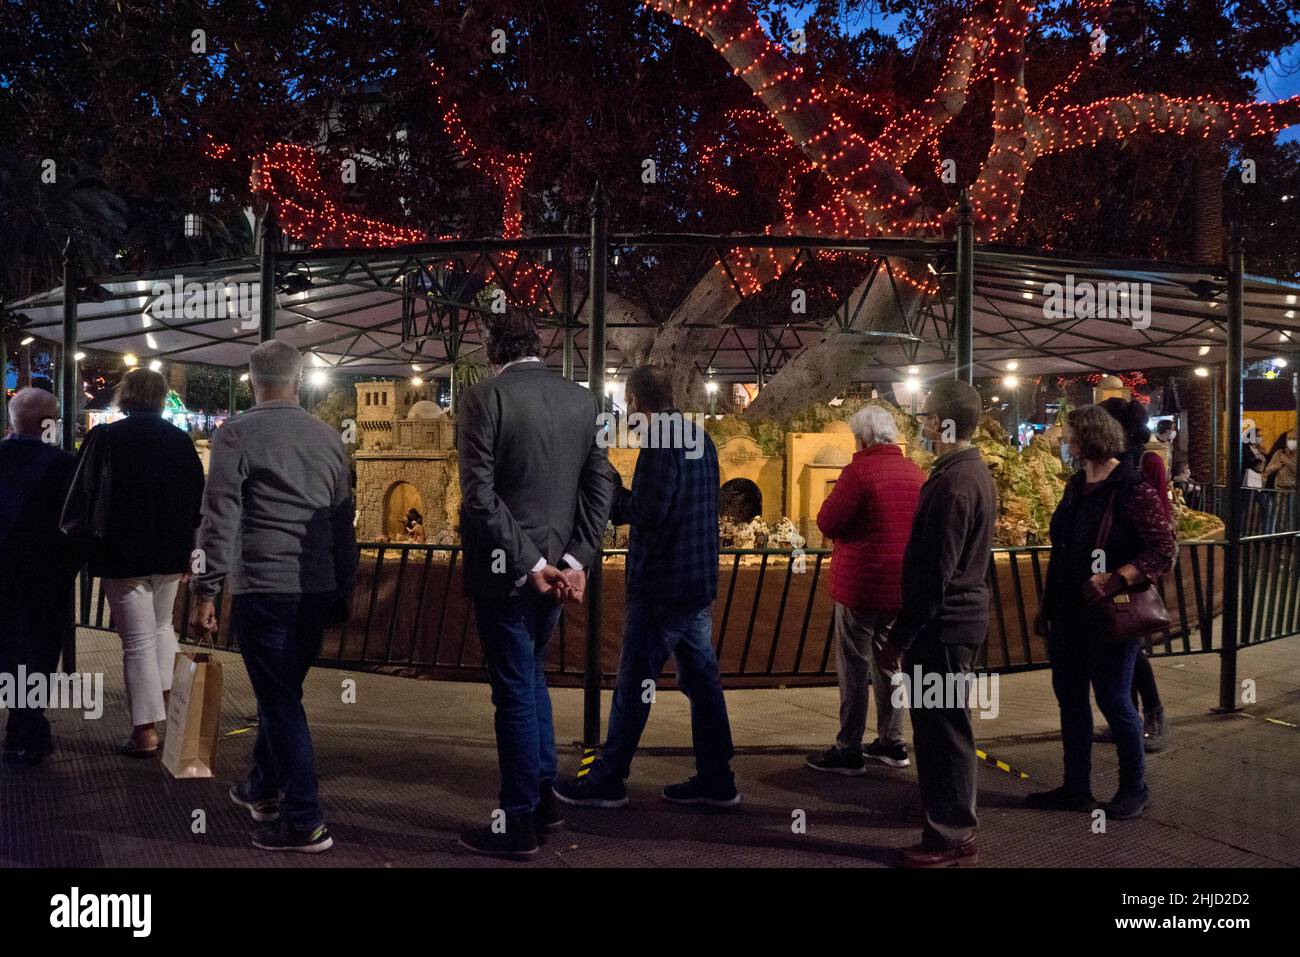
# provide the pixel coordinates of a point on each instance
(1208, 205)
(1199, 427)
(178, 378)
(819, 372)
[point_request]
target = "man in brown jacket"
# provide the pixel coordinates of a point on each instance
(944, 620)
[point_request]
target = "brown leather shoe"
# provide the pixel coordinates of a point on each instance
(963, 855)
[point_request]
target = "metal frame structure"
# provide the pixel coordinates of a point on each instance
(977, 312)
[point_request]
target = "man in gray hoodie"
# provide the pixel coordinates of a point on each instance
(278, 530)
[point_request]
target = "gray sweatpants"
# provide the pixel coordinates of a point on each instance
(856, 633)
(944, 744)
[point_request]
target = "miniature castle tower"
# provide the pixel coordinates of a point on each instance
(406, 464)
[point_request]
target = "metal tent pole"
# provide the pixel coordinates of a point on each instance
(270, 237)
(68, 393)
(1234, 498)
(68, 406)
(964, 299)
(570, 320)
(596, 380)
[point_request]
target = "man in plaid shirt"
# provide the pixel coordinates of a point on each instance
(672, 580)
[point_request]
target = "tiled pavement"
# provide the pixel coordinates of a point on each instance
(412, 762)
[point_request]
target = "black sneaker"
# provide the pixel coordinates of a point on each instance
(1153, 730)
(590, 791)
(29, 753)
(518, 842)
(281, 837)
(838, 761)
(1127, 804)
(891, 755)
(1061, 799)
(547, 818)
(263, 810)
(695, 791)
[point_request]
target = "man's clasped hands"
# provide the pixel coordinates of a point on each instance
(567, 584)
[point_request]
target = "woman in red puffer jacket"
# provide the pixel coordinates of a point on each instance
(868, 515)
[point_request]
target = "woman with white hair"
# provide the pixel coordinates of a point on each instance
(135, 500)
(868, 515)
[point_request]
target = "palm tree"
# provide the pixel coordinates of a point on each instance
(37, 217)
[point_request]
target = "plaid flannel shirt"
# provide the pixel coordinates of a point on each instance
(672, 509)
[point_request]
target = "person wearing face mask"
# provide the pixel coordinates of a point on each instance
(1132, 417)
(1107, 504)
(1280, 471)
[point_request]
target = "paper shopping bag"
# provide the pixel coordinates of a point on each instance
(193, 715)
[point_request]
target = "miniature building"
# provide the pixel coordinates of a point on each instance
(407, 487)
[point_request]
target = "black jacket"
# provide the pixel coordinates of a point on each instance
(534, 482)
(946, 562)
(135, 498)
(36, 561)
(1074, 528)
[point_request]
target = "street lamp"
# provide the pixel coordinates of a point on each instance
(711, 388)
(130, 361)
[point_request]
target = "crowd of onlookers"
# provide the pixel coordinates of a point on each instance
(272, 525)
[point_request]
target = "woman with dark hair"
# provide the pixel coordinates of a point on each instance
(135, 501)
(1112, 516)
(1279, 473)
(1132, 417)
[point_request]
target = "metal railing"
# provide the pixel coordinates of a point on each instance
(774, 617)
(1264, 511)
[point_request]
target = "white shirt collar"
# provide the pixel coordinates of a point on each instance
(515, 362)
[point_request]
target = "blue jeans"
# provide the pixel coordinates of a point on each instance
(279, 637)
(514, 633)
(1080, 658)
(652, 631)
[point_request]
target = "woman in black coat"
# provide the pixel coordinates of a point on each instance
(1081, 573)
(135, 500)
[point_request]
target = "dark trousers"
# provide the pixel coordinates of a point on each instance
(1080, 659)
(1144, 683)
(279, 637)
(514, 632)
(653, 630)
(944, 742)
(32, 630)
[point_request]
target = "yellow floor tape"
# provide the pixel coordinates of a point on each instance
(588, 759)
(1001, 765)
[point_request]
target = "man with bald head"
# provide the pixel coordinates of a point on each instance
(37, 562)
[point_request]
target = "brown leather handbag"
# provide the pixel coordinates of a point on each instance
(1135, 612)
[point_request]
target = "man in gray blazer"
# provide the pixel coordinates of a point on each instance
(536, 489)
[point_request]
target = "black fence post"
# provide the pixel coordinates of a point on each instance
(1234, 498)
(270, 237)
(570, 320)
(68, 405)
(596, 381)
(964, 298)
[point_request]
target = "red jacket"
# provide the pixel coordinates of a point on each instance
(869, 515)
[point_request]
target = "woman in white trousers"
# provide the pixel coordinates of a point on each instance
(142, 616)
(135, 500)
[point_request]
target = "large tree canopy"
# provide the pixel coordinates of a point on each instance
(1087, 126)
